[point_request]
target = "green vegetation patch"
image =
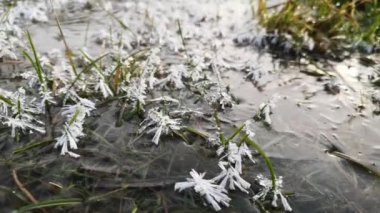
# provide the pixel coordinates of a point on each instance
(324, 25)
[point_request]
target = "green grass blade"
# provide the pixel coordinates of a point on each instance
(6, 100)
(50, 203)
(268, 162)
(204, 135)
(93, 63)
(181, 34)
(86, 69)
(75, 116)
(30, 59)
(237, 132)
(36, 62)
(30, 146)
(107, 194)
(182, 136)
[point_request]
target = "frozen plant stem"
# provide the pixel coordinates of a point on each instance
(254, 145)
(22, 187)
(68, 52)
(36, 62)
(24, 190)
(182, 38)
(237, 132)
(86, 69)
(221, 133)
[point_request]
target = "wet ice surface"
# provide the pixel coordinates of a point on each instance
(306, 120)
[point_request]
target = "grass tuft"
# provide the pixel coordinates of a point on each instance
(332, 24)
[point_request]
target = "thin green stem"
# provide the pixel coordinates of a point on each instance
(6, 100)
(107, 194)
(197, 132)
(93, 63)
(87, 68)
(268, 162)
(36, 62)
(181, 34)
(236, 133)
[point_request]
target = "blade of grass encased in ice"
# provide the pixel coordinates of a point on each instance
(236, 133)
(31, 145)
(268, 162)
(106, 195)
(86, 69)
(36, 62)
(50, 203)
(6, 100)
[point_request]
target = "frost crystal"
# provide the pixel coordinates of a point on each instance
(219, 97)
(70, 137)
(31, 11)
(214, 194)
(46, 97)
(22, 122)
(73, 128)
(22, 112)
(159, 124)
(9, 40)
(62, 72)
(104, 88)
(136, 91)
(231, 177)
(88, 105)
(175, 76)
(235, 154)
(152, 63)
(196, 69)
(247, 129)
(31, 77)
(267, 186)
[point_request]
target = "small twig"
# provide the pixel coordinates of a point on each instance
(68, 51)
(25, 190)
(22, 187)
(357, 162)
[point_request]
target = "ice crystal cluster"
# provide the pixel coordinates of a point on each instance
(215, 190)
(18, 112)
(119, 75)
(213, 193)
(70, 85)
(159, 124)
(10, 40)
(267, 185)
